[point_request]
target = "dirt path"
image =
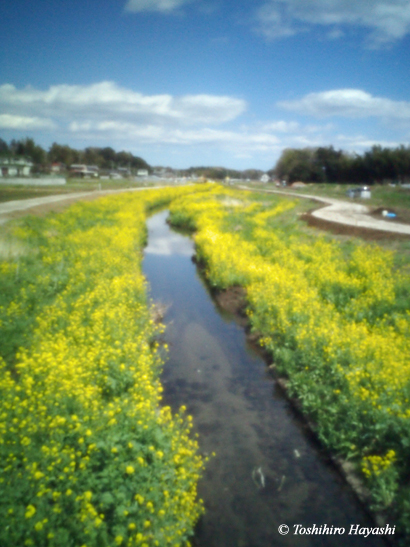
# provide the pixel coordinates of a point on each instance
(345, 212)
(16, 208)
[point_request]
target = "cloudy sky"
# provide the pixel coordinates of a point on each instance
(206, 82)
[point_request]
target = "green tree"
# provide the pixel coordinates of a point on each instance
(4, 147)
(28, 148)
(329, 164)
(63, 154)
(298, 164)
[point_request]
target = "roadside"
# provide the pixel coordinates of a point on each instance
(46, 204)
(355, 215)
(15, 208)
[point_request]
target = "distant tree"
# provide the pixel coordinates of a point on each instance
(4, 147)
(92, 156)
(298, 165)
(329, 164)
(252, 174)
(379, 164)
(63, 154)
(108, 157)
(13, 146)
(401, 161)
(325, 164)
(139, 163)
(28, 148)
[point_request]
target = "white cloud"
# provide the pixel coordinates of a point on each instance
(350, 103)
(163, 6)
(24, 123)
(193, 126)
(154, 134)
(281, 126)
(106, 100)
(387, 20)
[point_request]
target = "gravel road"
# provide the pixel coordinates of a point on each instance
(346, 212)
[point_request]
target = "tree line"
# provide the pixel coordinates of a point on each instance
(325, 164)
(222, 173)
(104, 158)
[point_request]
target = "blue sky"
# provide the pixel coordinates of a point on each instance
(216, 82)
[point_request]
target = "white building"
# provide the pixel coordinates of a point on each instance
(82, 170)
(15, 167)
(142, 173)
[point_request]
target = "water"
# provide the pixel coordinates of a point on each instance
(267, 470)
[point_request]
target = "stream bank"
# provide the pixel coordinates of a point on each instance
(267, 470)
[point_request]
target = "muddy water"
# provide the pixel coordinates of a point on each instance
(267, 471)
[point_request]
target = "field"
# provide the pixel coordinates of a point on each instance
(9, 192)
(86, 447)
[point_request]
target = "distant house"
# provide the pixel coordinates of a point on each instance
(81, 170)
(57, 167)
(360, 192)
(142, 173)
(124, 171)
(15, 167)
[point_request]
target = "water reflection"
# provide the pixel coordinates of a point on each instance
(240, 415)
(166, 242)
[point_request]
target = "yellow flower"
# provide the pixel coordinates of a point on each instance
(30, 511)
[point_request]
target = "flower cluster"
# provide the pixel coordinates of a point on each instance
(88, 456)
(334, 318)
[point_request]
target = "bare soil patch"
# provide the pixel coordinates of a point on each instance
(232, 300)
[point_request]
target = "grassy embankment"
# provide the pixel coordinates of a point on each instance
(9, 192)
(381, 195)
(88, 457)
(334, 315)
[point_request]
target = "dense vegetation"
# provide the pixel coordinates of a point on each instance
(324, 164)
(333, 317)
(88, 456)
(104, 158)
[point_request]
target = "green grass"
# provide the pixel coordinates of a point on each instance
(382, 196)
(10, 192)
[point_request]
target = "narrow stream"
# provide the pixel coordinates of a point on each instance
(267, 471)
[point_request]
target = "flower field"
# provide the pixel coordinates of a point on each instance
(88, 457)
(335, 318)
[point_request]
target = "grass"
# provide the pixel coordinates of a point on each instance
(9, 192)
(382, 196)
